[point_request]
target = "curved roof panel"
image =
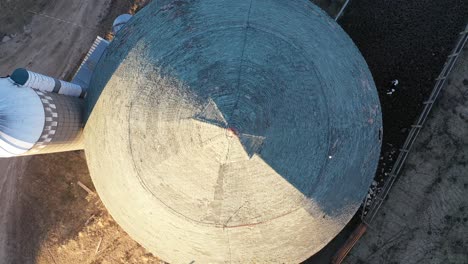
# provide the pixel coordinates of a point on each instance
(21, 118)
(232, 131)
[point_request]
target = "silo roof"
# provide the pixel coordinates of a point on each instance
(232, 131)
(21, 118)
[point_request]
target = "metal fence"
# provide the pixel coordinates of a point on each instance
(341, 10)
(415, 129)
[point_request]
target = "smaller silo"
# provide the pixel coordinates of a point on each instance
(36, 122)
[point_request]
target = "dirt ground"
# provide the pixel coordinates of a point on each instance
(14, 16)
(55, 221)
(45, 216)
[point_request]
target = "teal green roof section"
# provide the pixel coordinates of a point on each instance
(279, 76)
(20, 76)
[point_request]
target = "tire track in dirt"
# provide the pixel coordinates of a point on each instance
(12, 171)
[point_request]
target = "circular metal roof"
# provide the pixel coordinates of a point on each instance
(232, 131)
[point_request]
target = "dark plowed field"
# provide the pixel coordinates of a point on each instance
(408, 40)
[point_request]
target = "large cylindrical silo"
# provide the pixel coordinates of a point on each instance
(232, 131)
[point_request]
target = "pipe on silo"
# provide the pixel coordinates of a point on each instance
(37, 122)
(44, 83)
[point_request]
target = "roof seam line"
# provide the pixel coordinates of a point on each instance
(241, 63)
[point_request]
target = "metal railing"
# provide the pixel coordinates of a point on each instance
(415, 129)
(343, 7)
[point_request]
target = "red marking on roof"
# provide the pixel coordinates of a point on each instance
(232, 131)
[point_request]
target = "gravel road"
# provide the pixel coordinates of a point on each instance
(11, 169)
(59, 34)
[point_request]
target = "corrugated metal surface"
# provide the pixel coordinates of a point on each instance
(86, 69)
(239, 131)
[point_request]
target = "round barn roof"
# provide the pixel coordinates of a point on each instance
(232, 131)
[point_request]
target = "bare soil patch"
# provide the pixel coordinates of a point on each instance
(15, 15)
(45, 216)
